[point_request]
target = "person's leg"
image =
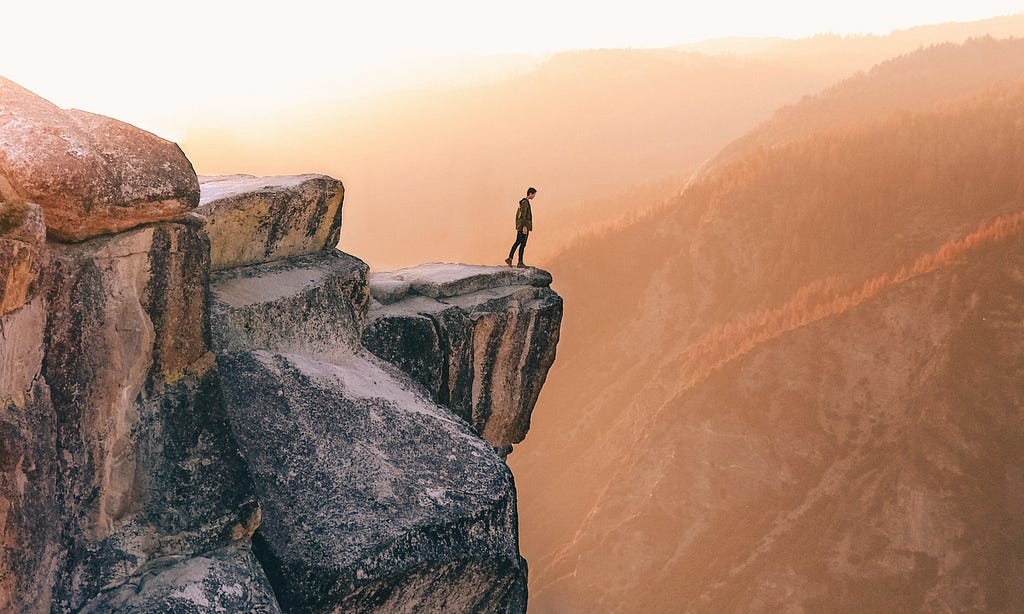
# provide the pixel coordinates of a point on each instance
(512, 251)
(522, 246)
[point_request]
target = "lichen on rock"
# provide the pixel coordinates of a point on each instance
(92, 175)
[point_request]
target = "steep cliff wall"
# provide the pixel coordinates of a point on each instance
(118, 453)
(187, 427)
(480, 339)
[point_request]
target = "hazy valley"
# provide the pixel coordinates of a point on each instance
(799, 383)
(786, 295)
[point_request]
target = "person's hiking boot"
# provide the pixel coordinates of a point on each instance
(520, 266)
(508, 261)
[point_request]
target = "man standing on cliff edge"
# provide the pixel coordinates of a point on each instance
(524, 225)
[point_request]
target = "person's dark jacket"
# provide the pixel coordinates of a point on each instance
(524, 217)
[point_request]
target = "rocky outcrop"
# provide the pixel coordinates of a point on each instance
(261, 219)
(181, 433)
(480, 339)
(22, 234)
(309, 304)
(228, 579)
(117, 451)
(355, 518)
(151, 469)
(91, 174)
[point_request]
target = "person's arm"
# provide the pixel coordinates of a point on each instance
(521, 219)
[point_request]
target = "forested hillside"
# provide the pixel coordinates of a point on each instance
(782, 342)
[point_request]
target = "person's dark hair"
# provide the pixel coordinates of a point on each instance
(531, 191)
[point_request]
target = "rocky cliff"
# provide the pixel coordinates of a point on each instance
(204, 406)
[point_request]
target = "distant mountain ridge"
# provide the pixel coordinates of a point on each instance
(434, 172)
(913, 82)
(844, 48)
(684, 479)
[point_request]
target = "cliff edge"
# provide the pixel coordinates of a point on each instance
(206, 407)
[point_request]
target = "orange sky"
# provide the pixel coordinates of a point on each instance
(158, 64)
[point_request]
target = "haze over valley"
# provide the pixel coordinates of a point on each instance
(766, 352)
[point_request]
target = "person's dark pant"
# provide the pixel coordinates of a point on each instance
(520, 243)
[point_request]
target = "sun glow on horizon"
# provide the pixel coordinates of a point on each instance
(160, 65)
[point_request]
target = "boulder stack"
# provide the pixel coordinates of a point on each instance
(190, 419)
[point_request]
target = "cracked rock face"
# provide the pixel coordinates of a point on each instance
(375, 498)
(310, 304)
(29, 514)
(228, 579)
(91, 174)
(480, 339)
(22, 239)
(187, 433)
(116, 449)
(260, 219)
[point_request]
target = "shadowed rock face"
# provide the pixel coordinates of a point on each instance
(118, 451)
(133, 467)
(358, 519)
(91, 174)
(481, 339)
(149, 466)
(22, 235)
(374, 497)
(228, 579)
(29, 510)
(261, 219)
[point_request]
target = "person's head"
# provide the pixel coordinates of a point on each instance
(531, 192)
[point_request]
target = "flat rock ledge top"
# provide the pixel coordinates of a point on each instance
(440, 280)
(91, 174)
(252, 220)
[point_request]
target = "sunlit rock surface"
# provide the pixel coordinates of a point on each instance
(480, 339)
(260, 219)
(91, 174)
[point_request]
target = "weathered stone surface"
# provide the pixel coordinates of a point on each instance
(22, 239)
(260, 219)
(310, 304)
(374, 498)
(229, 579)
(28, 535)
(443, 280)
(29, 510)
(146, 466)
(485, 354)
(91, 174)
